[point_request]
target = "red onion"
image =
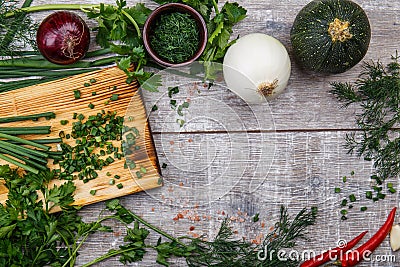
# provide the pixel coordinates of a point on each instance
(63, 38)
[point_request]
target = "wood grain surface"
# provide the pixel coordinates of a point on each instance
(58, 97)
(237, 160)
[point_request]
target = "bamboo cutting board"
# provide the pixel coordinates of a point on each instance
(58, 97)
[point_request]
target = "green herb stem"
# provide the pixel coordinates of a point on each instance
(104, 61)
(23, 141)
(28, 117)
(35, 55)
(26, 3)
(47, 7)
(108, 255)
(55, 157)
(3, 69)
(19, 164)
(47, 73)
(30, 128)
(55, 153)
(32, 63)
(68, 245)
(17, 148)
(133, 22)
(215, 7)
(24, 153)
(99, 52)
(26, 160)
(82, 241)
(25, 130)
(75, 251)
(40, 141)
(155, 229)
(13, 85)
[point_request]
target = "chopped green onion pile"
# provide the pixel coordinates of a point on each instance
(93, 148)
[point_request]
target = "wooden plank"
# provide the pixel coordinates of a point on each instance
(58, 97)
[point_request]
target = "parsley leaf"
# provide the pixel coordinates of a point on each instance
(147, 80)
(136, 246)
(233, 13)
(124, 63)
(61, 195)
(220, 30)
(139, 13)
(119, 23)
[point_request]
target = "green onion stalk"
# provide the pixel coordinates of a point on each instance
(33, 158)
(27, 67)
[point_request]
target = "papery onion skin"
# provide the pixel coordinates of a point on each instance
(257, 67)
(63, 38)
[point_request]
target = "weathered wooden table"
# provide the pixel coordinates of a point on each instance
(235, 160)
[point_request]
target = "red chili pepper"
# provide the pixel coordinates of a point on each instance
(354, 257)
(332, 253)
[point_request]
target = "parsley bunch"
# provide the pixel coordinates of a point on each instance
(30, 235)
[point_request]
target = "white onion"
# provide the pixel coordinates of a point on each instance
(257, 67)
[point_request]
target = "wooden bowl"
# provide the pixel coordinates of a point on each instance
(170, 8)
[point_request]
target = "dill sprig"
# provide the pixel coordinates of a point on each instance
(285, 234)
(377, 93)
(17, 32)
(225, 250)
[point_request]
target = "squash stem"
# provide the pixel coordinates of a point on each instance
(339, 30)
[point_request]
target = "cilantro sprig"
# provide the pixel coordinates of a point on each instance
(119, 23)
(119, 29)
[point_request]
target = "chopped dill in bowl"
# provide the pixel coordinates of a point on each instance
(175, 37)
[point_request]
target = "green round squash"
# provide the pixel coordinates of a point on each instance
(330, 35)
